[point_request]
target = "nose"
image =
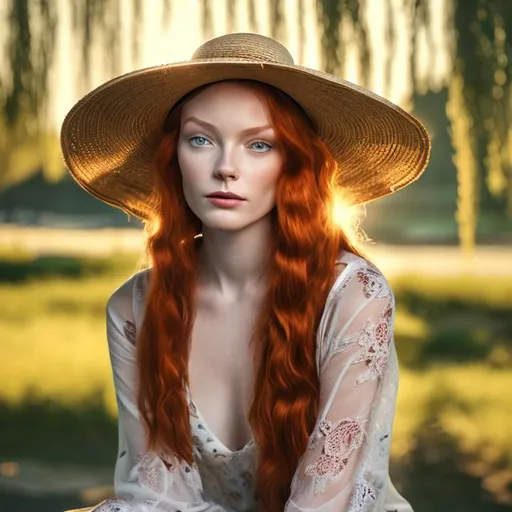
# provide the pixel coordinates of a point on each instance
(226, 168)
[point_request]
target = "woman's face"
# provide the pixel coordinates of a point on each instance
(227, 144)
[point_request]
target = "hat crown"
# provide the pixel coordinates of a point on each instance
(244, 46)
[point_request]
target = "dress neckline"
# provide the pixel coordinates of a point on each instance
(198, 419)
(196, 416)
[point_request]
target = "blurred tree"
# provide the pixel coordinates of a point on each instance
(480, 106)
(277, 25)
(343, 25)
(479, 84)
(27, 142)
(29, 50)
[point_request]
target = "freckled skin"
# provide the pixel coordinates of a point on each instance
(222, 155)
(225, 156)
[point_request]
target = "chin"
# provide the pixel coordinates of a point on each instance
(226, 225)
(231, 221)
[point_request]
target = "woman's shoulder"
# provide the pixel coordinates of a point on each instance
(130, 292)
(356, 275)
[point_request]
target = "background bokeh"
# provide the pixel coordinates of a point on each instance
(444, 242)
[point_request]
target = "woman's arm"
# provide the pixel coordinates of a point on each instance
(144, 481)
(345, 467)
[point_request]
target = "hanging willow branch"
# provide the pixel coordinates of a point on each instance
(334, 17)
(277, 27)
(231, 6)
(466, 162)
(482, 58)
(206, 19)
(30, 55)
(330, 15)
(301, 30)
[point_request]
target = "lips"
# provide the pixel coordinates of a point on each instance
(225, 195)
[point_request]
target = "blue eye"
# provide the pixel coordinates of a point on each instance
(199, 141)
(261, 147)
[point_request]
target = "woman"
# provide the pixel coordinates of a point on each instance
(253, 363)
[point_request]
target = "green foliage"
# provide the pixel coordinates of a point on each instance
(454, 319)
(452, 441)
(459, 344)
(335, 41)
(478, 78)
(16, 269)
(30, 49)
(83, 431)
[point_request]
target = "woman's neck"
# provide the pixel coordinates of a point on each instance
(233, 263)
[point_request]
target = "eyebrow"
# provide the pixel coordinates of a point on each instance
(209, 126)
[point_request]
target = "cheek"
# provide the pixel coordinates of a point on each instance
(189, 177)
(186, 163)
(271, 174)
(192, 168)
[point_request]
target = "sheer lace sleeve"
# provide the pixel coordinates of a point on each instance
(143, 481)
(345, 467)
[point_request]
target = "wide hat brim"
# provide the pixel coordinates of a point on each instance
(109, 137)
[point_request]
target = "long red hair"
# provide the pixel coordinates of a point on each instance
(304, 247)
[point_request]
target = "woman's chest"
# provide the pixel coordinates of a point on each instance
(221, 370)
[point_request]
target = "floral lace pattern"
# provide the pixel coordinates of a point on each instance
(341, 439)
(151, 472)
(223, 472)
(374, 341)
(112, 505)
(130, 332)
(346, 465)
(155, 472)
(374, 283)
(120, 505)
(364, 494)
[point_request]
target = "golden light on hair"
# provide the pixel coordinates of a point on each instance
(152, 226)
(347, 217)
(342, 212)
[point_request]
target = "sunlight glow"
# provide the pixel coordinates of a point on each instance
(342, 211)
(347, 217)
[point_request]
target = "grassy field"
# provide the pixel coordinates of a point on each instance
(452, 442)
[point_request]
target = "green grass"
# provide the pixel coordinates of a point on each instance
(53, 319)
(470, 404)
(466, 290)
(55, 332)
(453, 426)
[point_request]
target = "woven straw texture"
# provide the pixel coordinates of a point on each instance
(109, 137)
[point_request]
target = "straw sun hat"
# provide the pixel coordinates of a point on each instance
(109, 137)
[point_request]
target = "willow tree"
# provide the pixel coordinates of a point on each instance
(479, 88)
(24, 143)
(480, 106)
(27, 142)
(478, 84)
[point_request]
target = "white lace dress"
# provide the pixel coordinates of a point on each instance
(345, 466)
